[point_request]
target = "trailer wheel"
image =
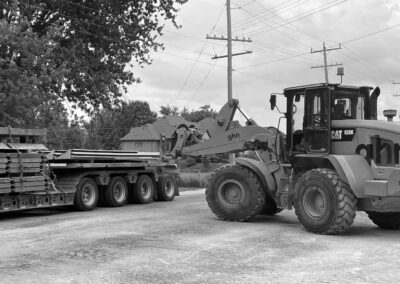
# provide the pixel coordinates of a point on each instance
(143, 190)
(386, 221)
(116, 192)
(324, 203)
(86, 195)
(166, 188)
(234, 193)
(270, 207)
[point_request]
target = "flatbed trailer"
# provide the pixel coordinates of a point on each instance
(40, 178)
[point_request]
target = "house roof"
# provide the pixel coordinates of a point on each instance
(145, 132)
(165, 125)
(7, 131)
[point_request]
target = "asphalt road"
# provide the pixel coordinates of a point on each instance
(183, 242)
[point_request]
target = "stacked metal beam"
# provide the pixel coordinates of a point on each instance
(83, 154)
(22, 172)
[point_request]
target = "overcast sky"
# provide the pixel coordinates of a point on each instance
(282, 34)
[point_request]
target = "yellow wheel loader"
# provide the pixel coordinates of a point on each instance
(334, 159)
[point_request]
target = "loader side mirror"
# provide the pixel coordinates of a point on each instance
(272, 101)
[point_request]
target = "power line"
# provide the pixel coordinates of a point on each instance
(363, 61)
(270, 11)
(247, 21)
(202, 82)
(265, 78)
(219, 66)
(302, 16)
(371, 34)
(273, 61)
(269, 26)
(197, 59)
(294, 27)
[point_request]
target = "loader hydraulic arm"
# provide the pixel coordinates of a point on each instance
(223, 135)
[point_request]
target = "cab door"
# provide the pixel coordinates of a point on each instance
(317, 121)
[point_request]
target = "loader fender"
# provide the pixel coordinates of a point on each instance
(352, 169)
(263, 171)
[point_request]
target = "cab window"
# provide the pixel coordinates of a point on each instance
(348, 105)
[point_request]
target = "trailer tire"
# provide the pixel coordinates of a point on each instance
(86, 195)
(234, 193)
(166, 188)
(270, 207)
(324, 203)
(143, 190)
(385, 220)
(116, 192)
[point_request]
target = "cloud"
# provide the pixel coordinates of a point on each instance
(372, 60)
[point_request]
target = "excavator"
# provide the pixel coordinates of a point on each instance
(334, 158)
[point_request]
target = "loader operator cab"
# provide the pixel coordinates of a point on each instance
(311, 109)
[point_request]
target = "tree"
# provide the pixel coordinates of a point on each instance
(26, 69)
(108, 126)
(198, 115)
(89, 45)
(193, 115)
(169, 110)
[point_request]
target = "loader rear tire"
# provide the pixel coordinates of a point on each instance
(234, 193)
(386, 221)
(324, 203)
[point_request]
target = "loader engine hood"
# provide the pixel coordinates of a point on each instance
(374, 139)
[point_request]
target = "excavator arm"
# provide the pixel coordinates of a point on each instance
(223, 135)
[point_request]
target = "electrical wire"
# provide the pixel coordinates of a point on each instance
(371, 34)
(197, 59)
(302, 16)
(248, 21)
(273, 61)
(268, 14)
(294, 27)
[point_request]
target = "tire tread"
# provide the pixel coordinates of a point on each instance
(346, 205)
(259, 192)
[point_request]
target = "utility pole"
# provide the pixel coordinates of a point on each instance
(326, 65)
(229, 25)
(229, 40)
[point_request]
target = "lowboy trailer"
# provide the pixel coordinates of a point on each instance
(33, 177)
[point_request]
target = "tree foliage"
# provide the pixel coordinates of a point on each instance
(108, 126)
(74, 50)
(26, 70)
(193, 115)
(169, 110)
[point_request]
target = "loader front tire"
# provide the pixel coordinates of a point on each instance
(234, 193)
(386, 221)
(324, 203)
